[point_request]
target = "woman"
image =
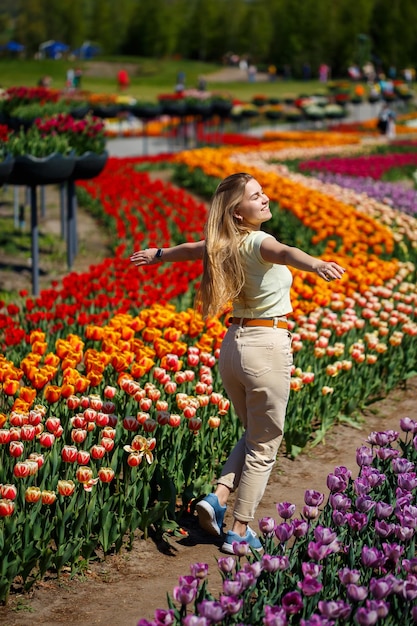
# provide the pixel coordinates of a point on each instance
(247, 267)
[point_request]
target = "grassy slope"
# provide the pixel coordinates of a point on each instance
(149, 78)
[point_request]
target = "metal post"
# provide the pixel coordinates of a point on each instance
(62, 208)
(35, 240)
(70, 222)
(43, 202)
(16, 206)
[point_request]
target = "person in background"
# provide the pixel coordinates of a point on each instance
(247, 267)
(386, 121)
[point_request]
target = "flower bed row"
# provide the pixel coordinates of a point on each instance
(113, 332)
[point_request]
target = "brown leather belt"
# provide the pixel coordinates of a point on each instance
(247, 321)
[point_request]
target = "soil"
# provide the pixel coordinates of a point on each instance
(123, 588)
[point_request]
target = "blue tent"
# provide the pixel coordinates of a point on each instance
(86, 51)
(14, 46)
(53, 49)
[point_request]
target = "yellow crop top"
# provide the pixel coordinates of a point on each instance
(266, 292)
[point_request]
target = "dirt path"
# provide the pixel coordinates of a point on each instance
(129, 586)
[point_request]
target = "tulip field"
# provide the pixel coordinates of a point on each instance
(112, 413)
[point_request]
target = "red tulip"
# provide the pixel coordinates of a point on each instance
(32, 494)
(83, 457)
(6, 508)
(48, 497)
(69, 454)
(9, 492)
(98, 452)
(106, 474)
(52, 424)
(134, 459)
(84, 474)
(21, 470)
(37, 457)
(130, 423)
(47, 440)
(27, 432)
(78, 435)
(66, 487)
(107, 443)
(16, 449)
(4, 435)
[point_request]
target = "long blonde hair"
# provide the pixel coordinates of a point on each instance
(223, 274)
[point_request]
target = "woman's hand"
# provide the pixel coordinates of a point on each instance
(329, 270)
(145, 257)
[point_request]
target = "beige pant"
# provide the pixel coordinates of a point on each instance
(255, 366)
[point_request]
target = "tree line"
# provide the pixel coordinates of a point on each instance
(287, 33)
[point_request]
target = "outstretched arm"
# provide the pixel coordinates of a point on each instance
(274, 251)
(190, 251)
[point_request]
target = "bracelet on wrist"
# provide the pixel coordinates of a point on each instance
(158, 254)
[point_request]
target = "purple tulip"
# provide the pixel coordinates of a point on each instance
(185, 594)
(356, 521)
(285, 509)
(310, 585)
(401, 466)
(383, 510)
(275, 616)
(348, 576)
(364, 456)
(300, 528)
(199, 570)
(164, 617)
(292, 603)
(270, 563)
(325, 535)
(356, 593)
(336, 484)
(384, 438)
(408, 425)
(231, 604)
(339, 518)
(310, 512)
(410, 565)
(364, 504)
(361, 486)
(403, 533)
(232, 587)
(247, 579)
(334, 609)
(366, 617)
(267, 526)
(407, 481)
(387, 453)
(383, 529)
(283, 532)
(313, 498)
(241, 548)
(212, 610)
(374, 477)
(311, 569)
(318, 550)
(340, 502)
(372, 557)
(192, 581)
(381, 607)
(146, 622)
(226, 564)
(253, 569)
(409, 590)
(343, 471)
(393, 552)
(380, 588)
